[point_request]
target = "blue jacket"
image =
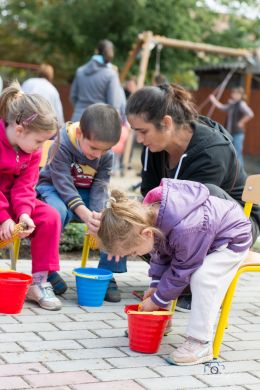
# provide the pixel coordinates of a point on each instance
(95, 83)
(194, 224)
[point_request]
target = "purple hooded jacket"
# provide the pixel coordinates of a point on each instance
(194, 224)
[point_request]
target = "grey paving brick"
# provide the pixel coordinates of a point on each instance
(241, 355)
(78, 365)
(124, 373)
(256, 373)
(24, 336)
(137, 361)
(5, 319)
(65, 310)
(94, 353)
(247, 336)
(43, 318)
(22, 369)
(172, 383)
(115, 385)
(105, 342)
(244, 345)
(10, 347)
(49, 345)
(52, 379)
(27, 357)
(67, 334)
(117, 323)
(252, 387)
(81, 325)
(94, 317)
(14, 382)
(32, 327)
(110, 332)
(229, 379)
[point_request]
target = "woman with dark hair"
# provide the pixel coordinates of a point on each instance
(97, 82)
(181, 144)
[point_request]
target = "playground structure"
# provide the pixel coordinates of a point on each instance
(145, 43)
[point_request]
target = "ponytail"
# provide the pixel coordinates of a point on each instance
(166, 99)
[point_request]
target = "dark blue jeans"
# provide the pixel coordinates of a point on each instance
(49, 195)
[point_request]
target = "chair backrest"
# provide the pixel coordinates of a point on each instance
(251, 191)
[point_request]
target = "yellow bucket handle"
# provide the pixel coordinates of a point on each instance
(85, 276)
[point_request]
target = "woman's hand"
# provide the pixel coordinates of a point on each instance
(149, 305)
(7, 229)
(30, 226)
(149, 292)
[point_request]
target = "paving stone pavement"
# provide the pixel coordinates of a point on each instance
(84, 348)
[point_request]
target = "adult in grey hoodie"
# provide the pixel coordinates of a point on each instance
(97, 82)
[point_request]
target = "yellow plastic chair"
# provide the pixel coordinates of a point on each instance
(251, 195)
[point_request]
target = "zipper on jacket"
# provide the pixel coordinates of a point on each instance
(17, 156)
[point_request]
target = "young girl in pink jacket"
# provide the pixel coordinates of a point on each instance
(26, 121)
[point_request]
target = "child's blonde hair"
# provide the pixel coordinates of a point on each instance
(32, 111)
(123, 221)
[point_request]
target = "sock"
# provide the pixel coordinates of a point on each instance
(40, 277)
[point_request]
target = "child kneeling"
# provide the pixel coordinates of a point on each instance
(194, 238)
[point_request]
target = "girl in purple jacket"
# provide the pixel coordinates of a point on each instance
(194, 238)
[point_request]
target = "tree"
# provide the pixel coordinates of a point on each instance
(65, 33)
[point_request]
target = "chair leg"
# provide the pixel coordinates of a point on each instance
(223, 319)
(85, 251)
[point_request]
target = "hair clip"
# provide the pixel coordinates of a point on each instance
(28, 121)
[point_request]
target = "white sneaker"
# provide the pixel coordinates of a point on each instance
(43, 294)
(192, 352)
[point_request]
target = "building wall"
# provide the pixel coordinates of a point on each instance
(252, 140)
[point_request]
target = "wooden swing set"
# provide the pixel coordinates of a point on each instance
(146, 42)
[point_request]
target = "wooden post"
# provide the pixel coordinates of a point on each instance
(247, 84)
(147, 39)
(131, 58)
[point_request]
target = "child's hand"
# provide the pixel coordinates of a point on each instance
(149, 292)
(24, 218)
(149, 305)
(93, 222)
(7, 229)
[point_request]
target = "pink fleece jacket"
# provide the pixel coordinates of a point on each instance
(19, 173)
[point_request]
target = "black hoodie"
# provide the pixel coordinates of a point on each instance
(210, 158)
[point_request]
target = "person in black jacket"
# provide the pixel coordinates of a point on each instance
(178, 143)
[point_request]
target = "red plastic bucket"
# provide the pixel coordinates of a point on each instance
(145, 331)
(13, 289)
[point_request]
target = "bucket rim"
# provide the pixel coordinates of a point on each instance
(105, 276)
(26, 278)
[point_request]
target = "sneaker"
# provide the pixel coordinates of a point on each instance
(184, 304)
(58, 284)
(191, 352)
(112, 294)
(43, 294)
